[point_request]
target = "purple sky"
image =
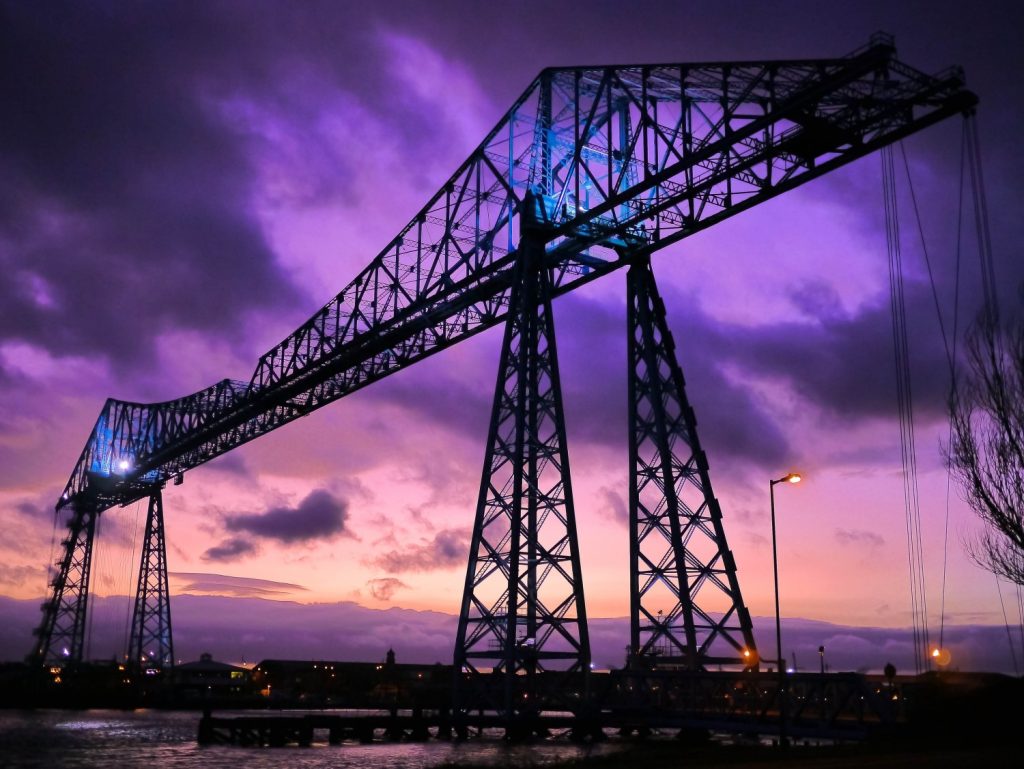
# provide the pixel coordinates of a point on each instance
(181, 184)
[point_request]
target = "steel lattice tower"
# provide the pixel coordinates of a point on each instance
(151, 644)
(61, 634)
(678, 550)
(523, 609)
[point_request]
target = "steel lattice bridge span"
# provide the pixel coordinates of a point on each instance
(593, 169)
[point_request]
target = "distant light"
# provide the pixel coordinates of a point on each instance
(124, 464)
(935, 652)
(66, 652)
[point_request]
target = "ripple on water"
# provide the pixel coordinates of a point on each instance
(148, 739)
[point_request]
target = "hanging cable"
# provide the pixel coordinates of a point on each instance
(131, 561)
(953, 372)
(989, 295)
(1020, 617)
(984, 235)
(927, 259)
(904, 398)
(95, 557)
(50, 564)
(949, 345)
(1006, 624)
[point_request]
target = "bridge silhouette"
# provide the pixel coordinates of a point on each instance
(592, 169)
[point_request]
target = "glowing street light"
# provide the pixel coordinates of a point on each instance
(788, 478)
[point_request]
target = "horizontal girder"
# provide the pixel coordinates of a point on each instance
(612, 160)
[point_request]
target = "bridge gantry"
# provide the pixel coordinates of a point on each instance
(591, 170)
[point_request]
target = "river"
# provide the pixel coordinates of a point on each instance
(157, 739)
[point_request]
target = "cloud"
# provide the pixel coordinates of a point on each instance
(232, 628)
(384, 588)
(28, 508)
(222, 584)
(126, 185)
(859, 537)
(612, 504)
(319, 516)
(448, 548)
(21, 575)
(230, 550)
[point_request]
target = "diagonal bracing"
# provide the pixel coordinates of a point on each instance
(686, 606)
(523, 610)
(151, 645)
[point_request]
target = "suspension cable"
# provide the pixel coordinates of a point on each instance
(95, 556)
(904, 398)
(927, 259)
(1020, 617)
(53, 546)
(131, 560)
(949, 342)
(1006, 624)
(990, 297)
(981, 221)
(953, 372)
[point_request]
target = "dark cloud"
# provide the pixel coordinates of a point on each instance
(127, 197)
(612, 504)
(859, 537)
(230, 550)
(384, 588)
(843, 364)
(319, 516)
(448, 548)
(130, 161)
(29, 509)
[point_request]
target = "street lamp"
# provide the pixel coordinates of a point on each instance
(788, 478)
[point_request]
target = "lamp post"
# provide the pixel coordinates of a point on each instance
(783, 740)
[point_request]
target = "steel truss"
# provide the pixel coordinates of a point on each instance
(522, 609)
(151, 645)
(622, 159)
(678, 549)
(61, 634)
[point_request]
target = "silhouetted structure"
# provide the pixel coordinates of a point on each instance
(591, 170)
(206, 678)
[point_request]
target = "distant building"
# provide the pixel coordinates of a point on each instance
(320, 683)
(209, 678)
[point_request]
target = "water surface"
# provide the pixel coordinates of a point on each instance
(156, 739)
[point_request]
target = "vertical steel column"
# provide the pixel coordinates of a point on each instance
(678, 548)
(151, 644)
(61, 633)
(523, 610)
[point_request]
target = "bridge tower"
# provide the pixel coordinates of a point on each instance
(151, 644)
(522, 609)
(678, 550)
(61, 633)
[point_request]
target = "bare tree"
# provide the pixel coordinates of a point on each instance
(986, 453)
